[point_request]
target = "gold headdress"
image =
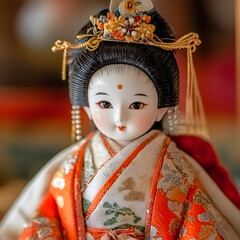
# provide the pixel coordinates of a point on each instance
(129, 23)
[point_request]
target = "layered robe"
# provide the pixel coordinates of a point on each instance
(149, 189)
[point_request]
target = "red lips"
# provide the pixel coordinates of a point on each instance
(121, 128)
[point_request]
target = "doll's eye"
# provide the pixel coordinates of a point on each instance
(104, 104)
(137, 105)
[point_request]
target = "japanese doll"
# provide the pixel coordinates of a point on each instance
(136, 176)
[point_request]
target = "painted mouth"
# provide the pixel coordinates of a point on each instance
(121, 128)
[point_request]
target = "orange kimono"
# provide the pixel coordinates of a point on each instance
(147, 190)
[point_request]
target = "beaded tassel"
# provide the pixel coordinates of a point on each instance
(170, 122)
(76, 123)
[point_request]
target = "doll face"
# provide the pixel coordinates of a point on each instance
(123, 105)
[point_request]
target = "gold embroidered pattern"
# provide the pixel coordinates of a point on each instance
(133, 195)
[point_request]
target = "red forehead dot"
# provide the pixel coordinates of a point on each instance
(120, 86)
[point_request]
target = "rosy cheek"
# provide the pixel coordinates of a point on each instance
(100, 119)
(144, 122)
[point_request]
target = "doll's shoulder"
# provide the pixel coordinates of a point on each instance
(68, 158)
(70, 155)
(176, 172)
(201, 155)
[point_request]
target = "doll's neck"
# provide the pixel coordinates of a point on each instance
(122, 144)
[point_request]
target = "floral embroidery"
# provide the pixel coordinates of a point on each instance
(128, 184)
(60, 201)
(120, 234)
(85, 205)
(189, 218)
(173, 177)
(41, 220)
(132, 195)
(207, 233)
(201, 199)
(175, 183)
(126, 226)
(176, 179)
(153, 234)
(174, 226)
(175, 207)
(44, 232)
(68, 164)
(183, 232)
(207, 216)
(203, 217)
(58, 180)
(88, 169)
(41, 228)
(58, 183)
(118, 214)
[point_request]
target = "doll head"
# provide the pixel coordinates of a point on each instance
(123, 102)
(155, 68)
(158, 64)
(133, 35)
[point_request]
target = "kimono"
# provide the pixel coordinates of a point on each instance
(149, 189)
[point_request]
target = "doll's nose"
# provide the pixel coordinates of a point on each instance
(120, 115)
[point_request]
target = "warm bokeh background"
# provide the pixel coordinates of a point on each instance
(34, 105)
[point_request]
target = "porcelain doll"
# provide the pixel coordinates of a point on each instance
(128, 179)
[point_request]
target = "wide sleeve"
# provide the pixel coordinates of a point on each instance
(182, 209)
(46, 224)
(26, 205)
(56, 213)
(203, 153)
(199, 219)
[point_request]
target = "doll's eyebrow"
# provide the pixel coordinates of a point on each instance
(101, 93)
(140, 94)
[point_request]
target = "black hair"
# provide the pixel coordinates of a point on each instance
(159, 65)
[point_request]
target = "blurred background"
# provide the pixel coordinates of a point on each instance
(34, 104)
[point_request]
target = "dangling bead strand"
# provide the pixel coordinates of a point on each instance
(171, 121)
(76, 123)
